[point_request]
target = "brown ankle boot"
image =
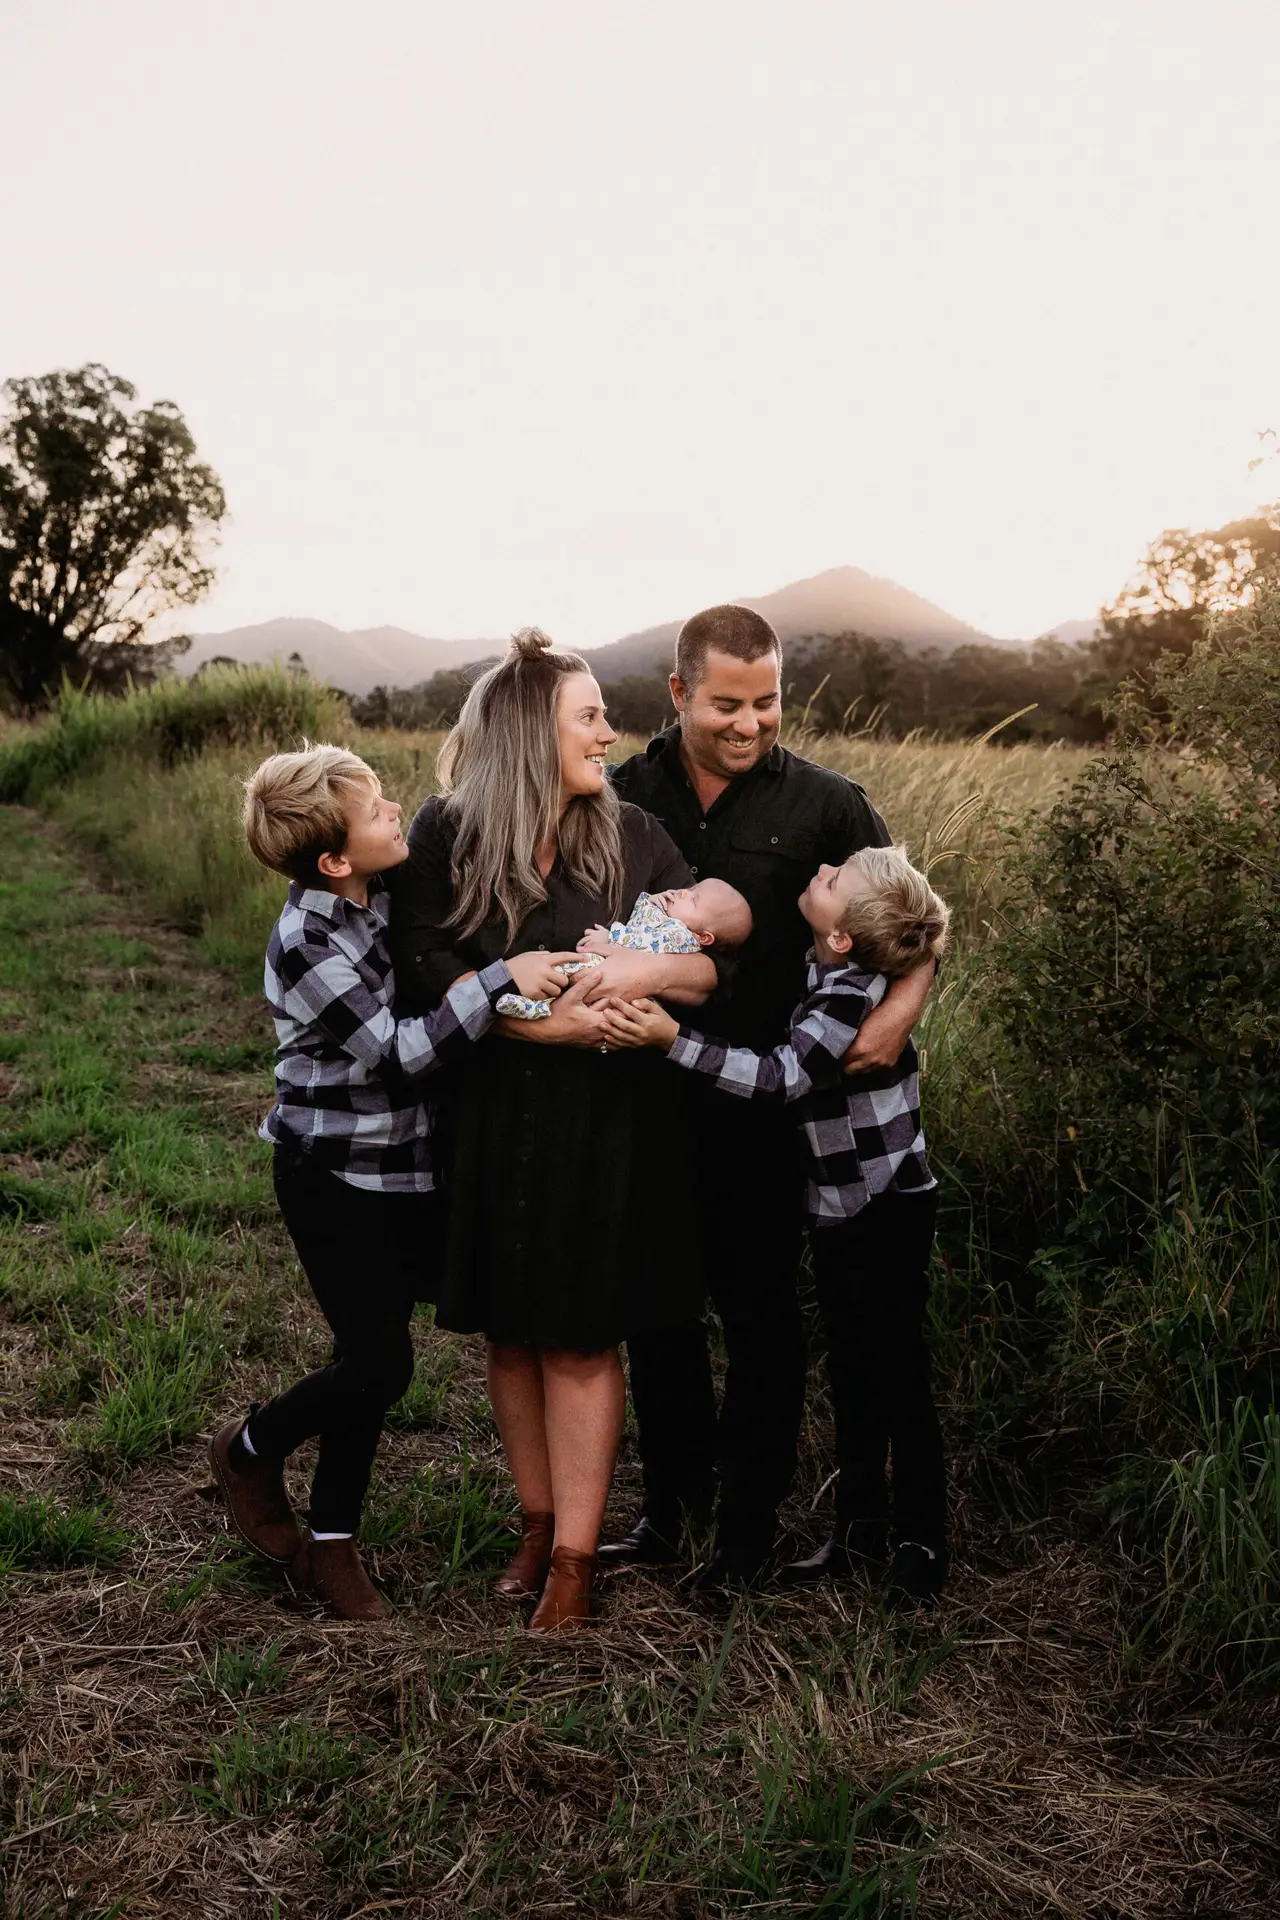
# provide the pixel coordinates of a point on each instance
(253, 1488)
(332, 1571)
(531, 1559)
(566, 1598)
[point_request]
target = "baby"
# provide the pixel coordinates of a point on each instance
(682, 920)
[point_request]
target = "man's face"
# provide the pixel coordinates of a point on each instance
(730, 720)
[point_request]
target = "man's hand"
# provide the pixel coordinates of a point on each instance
(596, 940)
(535, 973)
(887, 1028)
(640, 1023)
(572, 1023)
(686, 977)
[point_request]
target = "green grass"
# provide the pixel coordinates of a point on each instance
(37, 1532)
(1117, 1476)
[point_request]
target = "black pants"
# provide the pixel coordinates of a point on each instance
(872, 1279)
(749, 1174)
(365, 1254)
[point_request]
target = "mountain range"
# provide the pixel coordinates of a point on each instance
(841, 600)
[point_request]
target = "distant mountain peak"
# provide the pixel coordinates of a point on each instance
(843, 599)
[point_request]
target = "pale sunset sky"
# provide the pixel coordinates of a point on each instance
(588, 313)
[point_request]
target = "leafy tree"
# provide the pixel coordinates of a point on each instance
(1184, 578)
(107, 519)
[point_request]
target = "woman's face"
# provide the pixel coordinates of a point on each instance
(585, 736)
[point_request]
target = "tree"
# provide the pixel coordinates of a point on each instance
(107, 519)
(1184, 579)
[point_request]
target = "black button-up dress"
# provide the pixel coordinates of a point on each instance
(571, 1218)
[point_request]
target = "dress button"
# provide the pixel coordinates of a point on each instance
(528, 1073)
(773, 839)
(694, 872)
(702, 826)
(542, 946)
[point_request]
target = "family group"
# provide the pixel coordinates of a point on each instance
(476, 1106)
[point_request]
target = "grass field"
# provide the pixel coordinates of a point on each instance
(180, 1742)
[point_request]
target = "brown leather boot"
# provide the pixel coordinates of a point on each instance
(566, 1599)
(531, 1559)
(333, 1572)
(253, 1488)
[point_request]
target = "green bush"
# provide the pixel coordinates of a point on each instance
(1136, 979)
(170, 721)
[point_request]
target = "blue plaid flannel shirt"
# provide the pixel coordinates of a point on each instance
(348, 1074)
(863, 1133)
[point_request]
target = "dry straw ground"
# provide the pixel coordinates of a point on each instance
(180, 1742)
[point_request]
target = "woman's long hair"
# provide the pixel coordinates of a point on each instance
(500, 772)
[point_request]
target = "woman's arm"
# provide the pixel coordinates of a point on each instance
(686, 978)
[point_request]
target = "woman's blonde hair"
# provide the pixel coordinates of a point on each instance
(902, 922)
(500, 772)
(298, 806)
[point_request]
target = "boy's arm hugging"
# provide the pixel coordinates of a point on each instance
(319, 986)
(812, 1055)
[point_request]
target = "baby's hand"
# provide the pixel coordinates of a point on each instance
(639, 1023)
(596, 940)
(535, 974)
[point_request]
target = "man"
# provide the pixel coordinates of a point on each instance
(742, 808)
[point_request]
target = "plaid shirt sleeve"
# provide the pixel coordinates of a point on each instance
(318, 986)
(812, 1055)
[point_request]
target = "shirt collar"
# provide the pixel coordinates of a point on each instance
(665, 746)
(335, 906)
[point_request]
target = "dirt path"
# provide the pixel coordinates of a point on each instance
(179, 1742)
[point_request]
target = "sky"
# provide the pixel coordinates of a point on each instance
(585, 313)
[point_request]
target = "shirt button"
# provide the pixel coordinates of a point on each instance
(773, 839)
(542, 946)
(694, 872)
(528, 1073)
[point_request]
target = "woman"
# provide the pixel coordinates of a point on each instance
(570, 1222)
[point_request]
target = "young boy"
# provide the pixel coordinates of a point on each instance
(682, 920)
(871, 1203)
(352, 1167)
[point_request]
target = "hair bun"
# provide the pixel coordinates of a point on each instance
(531, 643)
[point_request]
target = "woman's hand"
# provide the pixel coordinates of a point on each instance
(596, 940)
(685, 977)
(639, 1023)
(535, 973)
(572, 1022)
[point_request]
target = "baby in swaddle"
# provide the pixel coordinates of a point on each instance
(682, 920)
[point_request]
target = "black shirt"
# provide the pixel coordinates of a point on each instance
(767, 834)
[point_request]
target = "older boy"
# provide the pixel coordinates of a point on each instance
(352, 1167)
(870, 1201)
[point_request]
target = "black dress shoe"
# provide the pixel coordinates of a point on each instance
(917, 1576)
(846, 1552)
(645, 1546)
(734, 1565)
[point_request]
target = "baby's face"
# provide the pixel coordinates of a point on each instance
(712, 909)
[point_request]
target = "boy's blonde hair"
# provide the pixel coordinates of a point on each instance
(298, 806)
(902, 922)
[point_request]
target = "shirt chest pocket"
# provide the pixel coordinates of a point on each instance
(776, 851)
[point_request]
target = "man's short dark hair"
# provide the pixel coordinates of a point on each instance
(737, 631)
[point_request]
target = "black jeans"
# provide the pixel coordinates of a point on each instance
(872, 1280)
(365, 1254)
(749, 1177)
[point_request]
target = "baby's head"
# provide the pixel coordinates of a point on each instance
(876, 909)
(712, 909)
